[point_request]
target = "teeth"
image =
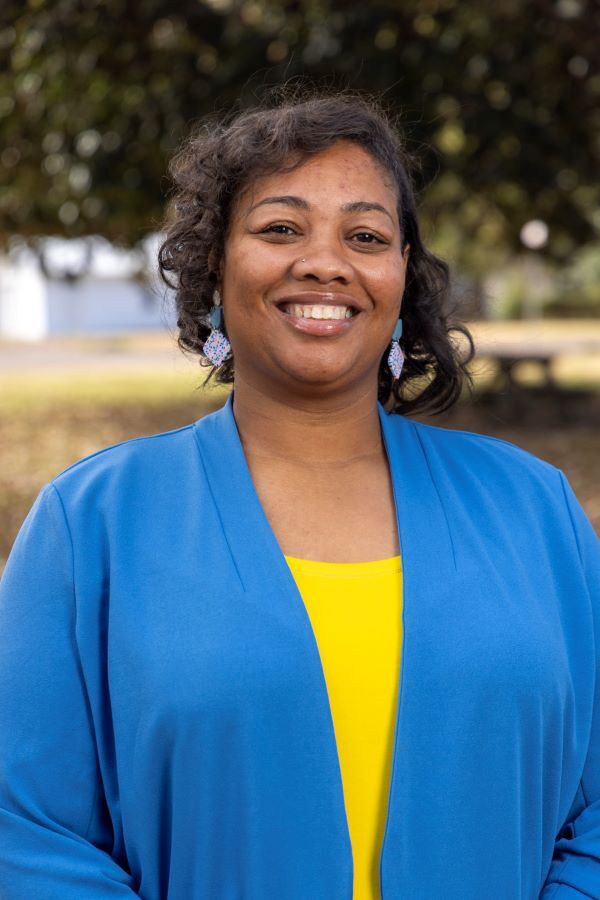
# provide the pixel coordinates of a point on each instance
(319, 312)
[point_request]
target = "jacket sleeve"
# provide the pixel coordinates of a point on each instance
(55, 828)
(575, 870)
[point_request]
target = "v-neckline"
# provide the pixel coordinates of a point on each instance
(420, 514)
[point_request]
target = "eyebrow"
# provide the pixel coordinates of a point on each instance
(299, 203)
(288, 200)
(365, 206)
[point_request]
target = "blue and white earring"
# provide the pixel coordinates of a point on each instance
(396, 356)
(216, 346)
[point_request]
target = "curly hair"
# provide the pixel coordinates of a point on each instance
(225, 154)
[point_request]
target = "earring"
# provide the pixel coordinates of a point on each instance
(396, 356)
(216, 346)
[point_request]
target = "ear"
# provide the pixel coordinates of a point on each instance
(405, 253)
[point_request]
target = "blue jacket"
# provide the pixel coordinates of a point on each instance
(164, 719)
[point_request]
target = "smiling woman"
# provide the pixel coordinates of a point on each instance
(306, 647)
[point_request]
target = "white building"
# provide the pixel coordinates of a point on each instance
(90, 288)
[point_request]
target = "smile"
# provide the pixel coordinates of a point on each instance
(318, 320)
(317, 311)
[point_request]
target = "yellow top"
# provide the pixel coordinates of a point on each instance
(356, 614)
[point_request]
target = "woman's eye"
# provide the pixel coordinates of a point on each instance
(285, 230)
(367, 237)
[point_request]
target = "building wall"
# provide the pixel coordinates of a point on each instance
(33, 307)
(101, 306)
(23, 306)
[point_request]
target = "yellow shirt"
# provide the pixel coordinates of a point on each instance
(356, 614)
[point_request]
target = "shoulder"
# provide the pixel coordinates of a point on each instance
(494, 481)
(490, 464)
(481, 448)
(140, 460)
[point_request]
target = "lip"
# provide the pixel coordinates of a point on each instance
(321, 327)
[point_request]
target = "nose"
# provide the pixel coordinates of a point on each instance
(322, 262)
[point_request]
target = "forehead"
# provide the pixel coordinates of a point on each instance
(345, 171)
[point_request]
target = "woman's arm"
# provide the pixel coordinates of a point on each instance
(55, 829)
(575, 870)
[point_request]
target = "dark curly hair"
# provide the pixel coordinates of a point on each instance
(221, 157)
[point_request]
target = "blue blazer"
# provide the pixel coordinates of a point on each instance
(164, 719)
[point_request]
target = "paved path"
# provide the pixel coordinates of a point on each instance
(62, 357)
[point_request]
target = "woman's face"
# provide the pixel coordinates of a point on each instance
(321, 240)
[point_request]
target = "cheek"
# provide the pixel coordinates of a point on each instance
(387, 282)
(253, 266)
(245, 280)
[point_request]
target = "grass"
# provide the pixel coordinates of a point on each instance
(74, 391)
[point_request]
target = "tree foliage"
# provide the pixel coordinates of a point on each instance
(498, 102)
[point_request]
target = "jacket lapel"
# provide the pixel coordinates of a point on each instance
(428, 568)
(252, 543)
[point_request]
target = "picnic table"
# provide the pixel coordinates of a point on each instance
(512, 396)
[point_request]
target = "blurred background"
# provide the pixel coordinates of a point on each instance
(498, 104)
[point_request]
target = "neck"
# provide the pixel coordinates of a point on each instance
(323, 431)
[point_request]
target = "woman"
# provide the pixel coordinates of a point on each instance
(304, 648)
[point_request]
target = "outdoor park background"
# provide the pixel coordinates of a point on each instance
(498, 103)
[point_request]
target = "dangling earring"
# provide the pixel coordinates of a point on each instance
(396, 356)
(216, 346)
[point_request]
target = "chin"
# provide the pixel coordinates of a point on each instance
(321, 376)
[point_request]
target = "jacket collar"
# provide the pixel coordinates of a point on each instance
(423, 530)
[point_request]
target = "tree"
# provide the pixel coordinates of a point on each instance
(499, 102)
